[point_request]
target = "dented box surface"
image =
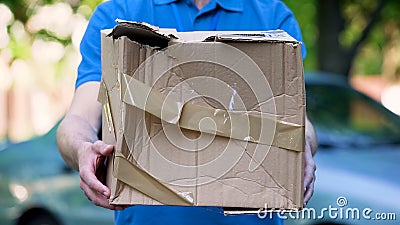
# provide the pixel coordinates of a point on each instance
(210, 123)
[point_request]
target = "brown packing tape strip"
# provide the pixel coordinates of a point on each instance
(232, 125)
(137, 178)
(225, 123)
(151, 100)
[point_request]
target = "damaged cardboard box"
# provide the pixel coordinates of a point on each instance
(203, 118)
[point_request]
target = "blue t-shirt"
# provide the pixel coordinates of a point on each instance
(183, 15)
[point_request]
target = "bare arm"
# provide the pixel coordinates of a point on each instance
(80, 124)
(78, 143)
(311, 146)
(311, 137)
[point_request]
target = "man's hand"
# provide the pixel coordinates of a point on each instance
(92, 172)
(78, 143)
(311, 146)
(309, 174)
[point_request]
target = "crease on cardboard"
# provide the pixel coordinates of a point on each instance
(225, 123)
(104, 98)
(272, 188)
(137, 178)
(266, 171)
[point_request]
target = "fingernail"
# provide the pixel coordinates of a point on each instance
(105, 194)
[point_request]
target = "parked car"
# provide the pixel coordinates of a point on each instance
(358, 158)
(38, 188)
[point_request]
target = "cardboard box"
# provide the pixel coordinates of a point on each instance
(243, 90)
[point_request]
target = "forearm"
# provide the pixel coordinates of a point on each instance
(73, 133)
(311, 137)
(81, 124)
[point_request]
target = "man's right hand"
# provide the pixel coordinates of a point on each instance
(78, 143)
(92, 171)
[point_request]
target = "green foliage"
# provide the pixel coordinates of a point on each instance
(306, 14)
(356, 15)
(386, 32)
(19, 9)
(50, 36)
(21, 49)
(91, 3)
(23, 10)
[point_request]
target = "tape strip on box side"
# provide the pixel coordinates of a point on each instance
(238, 125)
(139, 179)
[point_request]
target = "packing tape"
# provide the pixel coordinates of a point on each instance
(239, 125)
(139, 179)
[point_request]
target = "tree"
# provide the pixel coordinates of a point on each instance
(332, 55)
(350, 36)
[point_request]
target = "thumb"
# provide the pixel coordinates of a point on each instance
(103, 148)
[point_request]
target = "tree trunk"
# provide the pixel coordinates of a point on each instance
(331, 56)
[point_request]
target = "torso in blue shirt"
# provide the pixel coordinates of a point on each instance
(183, 15)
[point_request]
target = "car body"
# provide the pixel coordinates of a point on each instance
(38, 188)
(358, 158)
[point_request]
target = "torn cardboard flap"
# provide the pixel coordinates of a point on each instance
(273, 36)
(142, 33)
(147, 34)
(210, 122)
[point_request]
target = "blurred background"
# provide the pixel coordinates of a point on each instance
(353, 47)
(39, 53)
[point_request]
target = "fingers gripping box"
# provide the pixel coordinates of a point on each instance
(203, 118)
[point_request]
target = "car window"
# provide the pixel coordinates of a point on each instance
(343, 116)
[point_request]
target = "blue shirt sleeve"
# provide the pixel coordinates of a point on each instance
(285, 20)
(90, 48)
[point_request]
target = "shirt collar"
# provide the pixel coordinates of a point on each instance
(230, 5)
(163, 2)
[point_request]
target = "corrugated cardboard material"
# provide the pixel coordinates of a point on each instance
(243, 90)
